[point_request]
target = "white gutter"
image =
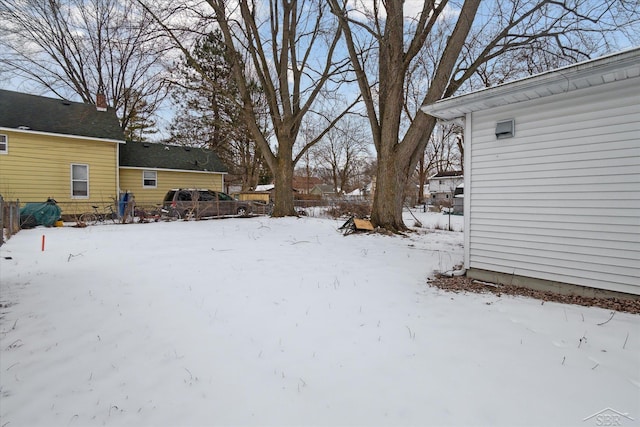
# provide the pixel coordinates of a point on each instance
(169, 170)
(63, 135)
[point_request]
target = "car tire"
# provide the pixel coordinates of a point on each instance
(242, 211)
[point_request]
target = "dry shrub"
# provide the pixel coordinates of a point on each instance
(342, 208)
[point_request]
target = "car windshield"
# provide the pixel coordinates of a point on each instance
(184, 196)
(224, 196)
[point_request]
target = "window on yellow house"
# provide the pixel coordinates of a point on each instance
(4, 144)
(79, 181)
(149, 179)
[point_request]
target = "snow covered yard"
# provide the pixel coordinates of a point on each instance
(278, 322)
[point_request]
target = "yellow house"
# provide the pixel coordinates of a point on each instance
(76, 154)
(59, 149)
(150, 170)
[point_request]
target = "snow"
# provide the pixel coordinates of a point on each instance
(262, 321)
(265, 187)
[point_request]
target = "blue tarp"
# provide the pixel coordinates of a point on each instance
(32, 214)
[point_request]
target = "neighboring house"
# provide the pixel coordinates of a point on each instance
(304, 184)
(232, 188)
(264, 193)
(442, 187)
(323, 190)
(56, 148)
(76, 154)
(359, 193)
(552, 177)
(458, 200)
(149, 170)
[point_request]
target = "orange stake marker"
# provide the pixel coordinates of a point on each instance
(43, 243)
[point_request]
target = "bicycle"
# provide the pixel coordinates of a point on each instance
(108, 216)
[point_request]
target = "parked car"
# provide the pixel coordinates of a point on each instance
(203, 203)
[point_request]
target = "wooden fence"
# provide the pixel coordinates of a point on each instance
(9, 218)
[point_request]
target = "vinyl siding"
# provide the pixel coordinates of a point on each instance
(131, 180)
(448, 185)
(560, 201)
(39, 166)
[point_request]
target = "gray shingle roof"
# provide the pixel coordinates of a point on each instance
(448, 174)
(42, 114)
(163, 156)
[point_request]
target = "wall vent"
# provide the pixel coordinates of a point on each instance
(505, 129)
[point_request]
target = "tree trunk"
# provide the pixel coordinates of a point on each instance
(389, 194)
(283, 180)
(397, 159)
(395, 166)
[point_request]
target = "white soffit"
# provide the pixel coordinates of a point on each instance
(619, 66)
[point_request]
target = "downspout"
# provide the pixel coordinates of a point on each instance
(117, 174)
(468, 147)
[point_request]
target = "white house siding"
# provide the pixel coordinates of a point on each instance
(444, 184)
(560, 201)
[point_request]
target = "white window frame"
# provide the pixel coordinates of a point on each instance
(155, 179)
(4, 150)
(74, 196)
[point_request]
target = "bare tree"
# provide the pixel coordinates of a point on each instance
(290, 48)
(78, 48)
(293, 54)
(341, 153)
(444, 152)
(470, 39)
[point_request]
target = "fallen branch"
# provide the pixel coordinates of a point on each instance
(412, 334)
(417, 221)
(73, 256)
(604, 323)
(492, 285)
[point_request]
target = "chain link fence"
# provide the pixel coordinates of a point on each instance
(72, 211)
(335, 207)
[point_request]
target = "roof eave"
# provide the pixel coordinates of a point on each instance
(614, 67)
(171, 169)
(62, 135)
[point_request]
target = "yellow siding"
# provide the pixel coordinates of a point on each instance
(39, 166)
(261, 197)
(131, 180)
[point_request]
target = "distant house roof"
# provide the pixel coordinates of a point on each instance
(448, 174)
(26, 112)
(323, 189)
(304, 182)
(164, 156)
(610, 68)
(264, 187)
